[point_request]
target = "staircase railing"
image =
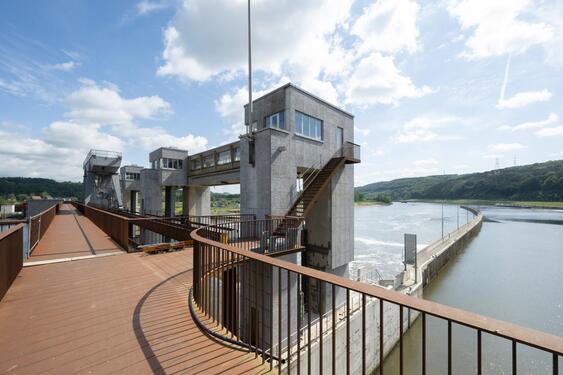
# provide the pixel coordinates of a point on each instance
(313, 171)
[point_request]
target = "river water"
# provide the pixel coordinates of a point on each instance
(379, 232)
(512, 270)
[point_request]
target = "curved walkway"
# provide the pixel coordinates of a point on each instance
(121, 314)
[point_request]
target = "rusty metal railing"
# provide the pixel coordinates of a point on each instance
(268, 306)
(115, 226)
(39, 224)
(11, 256)
(274, 235)
(118, 224)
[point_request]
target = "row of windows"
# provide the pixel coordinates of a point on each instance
(132, 176)
(308, 126)
(305, 125)
(219, 158)
(172, 163)
(167, 163)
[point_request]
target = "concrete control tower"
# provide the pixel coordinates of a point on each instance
(101, 179)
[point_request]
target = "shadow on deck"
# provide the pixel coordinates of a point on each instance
(71, 234)
(120, 314)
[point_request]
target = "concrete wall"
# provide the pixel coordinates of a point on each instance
(390, 333)
(442, 251)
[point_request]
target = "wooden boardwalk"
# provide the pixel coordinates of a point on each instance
(125, 314)
(71, 234)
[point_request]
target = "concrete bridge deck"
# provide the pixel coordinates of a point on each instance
(120, 314)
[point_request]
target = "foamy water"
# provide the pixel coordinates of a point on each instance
(379, 233)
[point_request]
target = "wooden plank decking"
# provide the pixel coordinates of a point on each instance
(125, 314)
(71, 234)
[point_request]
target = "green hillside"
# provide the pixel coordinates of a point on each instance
(20, 188)
(534, 182)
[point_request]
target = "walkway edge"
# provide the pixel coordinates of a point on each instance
(64, 260)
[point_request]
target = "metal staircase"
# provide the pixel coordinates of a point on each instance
(313, 185)
(315, 179)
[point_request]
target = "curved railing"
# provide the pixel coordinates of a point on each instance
(269, 306)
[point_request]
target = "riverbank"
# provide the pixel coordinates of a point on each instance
(371, 203)
(498, 203)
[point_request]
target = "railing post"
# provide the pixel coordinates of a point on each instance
(29, 237)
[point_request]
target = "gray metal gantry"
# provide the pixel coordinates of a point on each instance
(101, 179)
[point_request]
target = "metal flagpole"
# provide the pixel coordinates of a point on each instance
(249, 126)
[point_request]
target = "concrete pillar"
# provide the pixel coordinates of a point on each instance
(169, 201)
(151, 192)
(133, 196)
(196, 200)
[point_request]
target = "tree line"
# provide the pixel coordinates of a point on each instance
(18, 189)
(534, 182)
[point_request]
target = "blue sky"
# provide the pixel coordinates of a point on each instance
(436, 86)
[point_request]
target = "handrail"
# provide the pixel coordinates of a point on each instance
(11, 256)
(12, 221)
(9, 231)
(44, 211)
(215, 254)
(38, 225)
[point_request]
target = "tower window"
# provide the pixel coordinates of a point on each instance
(275, 121)
(308, 126)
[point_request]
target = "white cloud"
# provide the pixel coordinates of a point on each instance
(552, 118)
(388, 26)
(505, 147)
(104, 104)
(202, 42)
(333, 56)
(65, 67)
(147, 6)
(499, 27)
(522, 99)
(56, 153)
(81, 136)
(98, 117)
(426, 162)
(362, 131)
(423, 129)
(550, 132)
(376, 80)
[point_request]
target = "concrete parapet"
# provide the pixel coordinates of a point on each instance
(438, 254)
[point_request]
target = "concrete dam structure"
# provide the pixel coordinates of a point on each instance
(271, 282)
